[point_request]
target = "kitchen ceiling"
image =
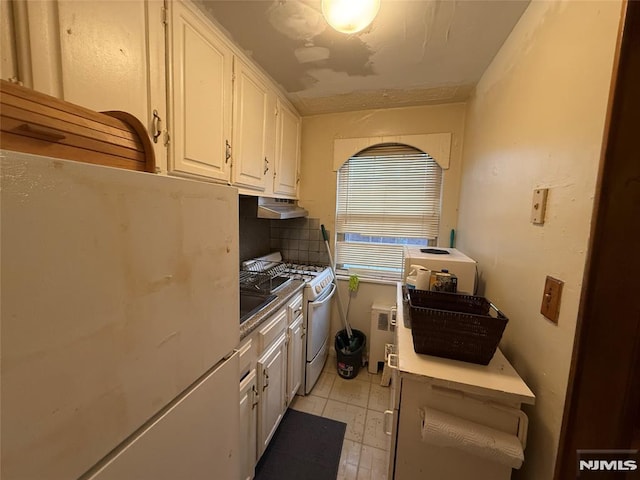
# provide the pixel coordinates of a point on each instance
(416, 52)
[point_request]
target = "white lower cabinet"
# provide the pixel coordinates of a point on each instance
(272, 383)
(271, 369)
(295, 360)
(248, 424)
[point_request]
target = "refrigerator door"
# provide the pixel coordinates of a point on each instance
(119, 290)
(197, 438)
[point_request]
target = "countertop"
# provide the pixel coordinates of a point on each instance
(284, 295)
(497, 379)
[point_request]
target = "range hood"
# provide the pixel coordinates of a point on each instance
(279, 208)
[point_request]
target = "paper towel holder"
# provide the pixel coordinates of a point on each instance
(523, 420)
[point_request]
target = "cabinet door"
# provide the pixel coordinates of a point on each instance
(100, 55)
(251, 166)
(8, 60)
(287, 151)
(200, 98)
(295, 360)
(196, 438)
(248, 425)
(272, 383)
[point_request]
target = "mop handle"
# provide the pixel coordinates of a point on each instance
(325, 236)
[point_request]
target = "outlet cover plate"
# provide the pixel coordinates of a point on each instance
(539, 205)
(551, 298)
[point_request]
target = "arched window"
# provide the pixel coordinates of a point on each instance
(388, 195)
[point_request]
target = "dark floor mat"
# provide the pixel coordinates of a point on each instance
(305, 447)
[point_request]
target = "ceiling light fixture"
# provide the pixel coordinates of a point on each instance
(350, 16)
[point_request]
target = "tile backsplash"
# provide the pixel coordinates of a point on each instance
(254, 231)
(300, 240)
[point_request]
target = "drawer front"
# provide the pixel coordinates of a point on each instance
(272, 329)
(294, 308)
(248, 351)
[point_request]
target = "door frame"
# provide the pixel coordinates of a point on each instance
(602, 406)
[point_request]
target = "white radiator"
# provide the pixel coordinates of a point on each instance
(383, 325)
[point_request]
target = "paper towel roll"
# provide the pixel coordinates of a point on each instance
(445, 430)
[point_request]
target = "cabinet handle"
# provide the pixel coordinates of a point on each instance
(266, 165)
(392, 361)
(394, 315)
(256, 397)
(44, 133)
(227, 151)
(266, 380)
(387, 413)
(157, 126)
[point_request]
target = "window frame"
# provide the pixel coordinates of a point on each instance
(387, 152)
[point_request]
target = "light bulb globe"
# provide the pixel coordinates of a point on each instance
(350, 16)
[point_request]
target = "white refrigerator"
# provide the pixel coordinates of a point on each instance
(119, 320)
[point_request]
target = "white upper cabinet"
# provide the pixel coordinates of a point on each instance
(100, 55)
(204, 103)
(253, 164)
(201, 71)
(287, 151)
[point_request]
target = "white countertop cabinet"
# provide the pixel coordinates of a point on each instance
(490, 395)
(272, 385)
(248, 424)
(295, 347)
(270, 372)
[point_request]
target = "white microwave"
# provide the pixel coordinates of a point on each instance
(450, 259)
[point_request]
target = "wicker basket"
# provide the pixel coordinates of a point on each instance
(455, 326)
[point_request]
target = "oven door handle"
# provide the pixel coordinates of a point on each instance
(325, 298)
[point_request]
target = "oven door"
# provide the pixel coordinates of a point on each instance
(319, 322)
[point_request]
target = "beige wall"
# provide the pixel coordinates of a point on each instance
(318, 180)
(537, 120)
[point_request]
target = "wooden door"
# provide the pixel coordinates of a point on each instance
(602, 408)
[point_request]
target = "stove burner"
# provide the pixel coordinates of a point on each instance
(299, 271)
(306, 268)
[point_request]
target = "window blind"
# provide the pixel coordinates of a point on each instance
(387, 196)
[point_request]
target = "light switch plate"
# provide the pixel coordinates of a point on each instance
(551, 298)
(539, 205)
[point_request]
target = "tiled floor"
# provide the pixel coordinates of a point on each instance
(360, 404)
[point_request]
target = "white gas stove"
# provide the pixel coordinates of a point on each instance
(317, 294)
(317, 278)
